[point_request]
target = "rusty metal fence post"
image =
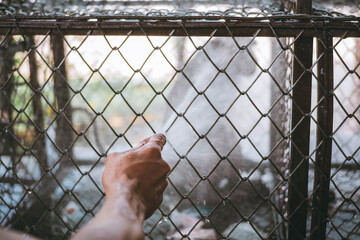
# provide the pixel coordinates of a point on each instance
(300, 138)
(300, 131)
(320, 199)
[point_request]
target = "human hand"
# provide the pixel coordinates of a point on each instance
(139, 171)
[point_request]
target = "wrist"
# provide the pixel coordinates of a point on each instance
(122, 199)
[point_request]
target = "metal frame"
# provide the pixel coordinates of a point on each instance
(303, 26)
(282, 25)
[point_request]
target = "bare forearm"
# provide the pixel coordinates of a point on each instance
(120, 218)
(119, 229)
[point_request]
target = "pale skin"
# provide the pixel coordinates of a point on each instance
(134, 182)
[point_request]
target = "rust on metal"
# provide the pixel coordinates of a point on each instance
(196, 26)
(300, 132)
(320, 200)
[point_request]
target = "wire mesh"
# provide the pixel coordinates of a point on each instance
(223, 102)
(168, 8)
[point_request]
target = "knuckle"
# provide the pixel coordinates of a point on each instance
(109, 158)
(162, 186)
(112, 155)
(166, 166)
(160, 200)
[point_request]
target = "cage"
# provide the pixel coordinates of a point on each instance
(259, 101)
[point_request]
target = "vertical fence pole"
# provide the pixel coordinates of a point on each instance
(323, 138)
(300, 127)
(300, 137)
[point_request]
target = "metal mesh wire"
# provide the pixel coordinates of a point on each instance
(223, 102)
(134, 8)
(243, 8)
(346, 149)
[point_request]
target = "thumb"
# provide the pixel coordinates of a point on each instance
(156, 141)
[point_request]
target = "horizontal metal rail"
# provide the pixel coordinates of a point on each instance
(274, 26)
(249, 17)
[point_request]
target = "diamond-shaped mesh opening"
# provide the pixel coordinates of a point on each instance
(224, 95)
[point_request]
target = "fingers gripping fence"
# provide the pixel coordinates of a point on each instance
(263, 134)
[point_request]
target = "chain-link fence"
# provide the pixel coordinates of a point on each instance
(260, 108)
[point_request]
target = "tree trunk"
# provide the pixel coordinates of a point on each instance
(36, 210)
(39, 150)
(7, 53)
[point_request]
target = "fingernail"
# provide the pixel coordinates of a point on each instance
(160, 139)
